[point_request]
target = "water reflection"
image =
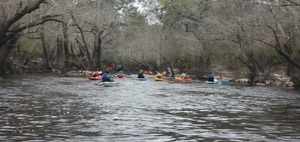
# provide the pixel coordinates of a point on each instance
(54, 108)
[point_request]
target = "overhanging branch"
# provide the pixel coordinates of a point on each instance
(26, 10)
(19, 29)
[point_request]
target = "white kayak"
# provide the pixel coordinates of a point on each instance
(222, 81)
(210, 82)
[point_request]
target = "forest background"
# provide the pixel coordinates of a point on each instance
(246, 38)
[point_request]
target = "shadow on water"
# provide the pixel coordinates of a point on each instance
(53, 108)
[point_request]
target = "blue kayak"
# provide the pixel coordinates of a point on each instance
(141, 79)
(223, 81)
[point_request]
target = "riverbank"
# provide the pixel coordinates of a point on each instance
(276, 78)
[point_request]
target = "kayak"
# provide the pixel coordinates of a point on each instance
(120, 75)
(148, 72)
(95, 78)
(120, 78)
(210, 82)
(107, 83)
(158, 79)
(141, 79)
(183, 79)
(222, 81)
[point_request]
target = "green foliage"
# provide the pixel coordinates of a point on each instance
(220, 59)
(31, 47)
(184, 63)
(127, 8)
(277, 59)
(123, 4)
(172, 9)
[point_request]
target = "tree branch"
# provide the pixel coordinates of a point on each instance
(279, 51)
(296, 4)
(17, 30)
(27, 9)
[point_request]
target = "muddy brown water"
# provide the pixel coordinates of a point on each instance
(53, 108)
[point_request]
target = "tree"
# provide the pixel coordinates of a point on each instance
(12, 15)
(283, 33)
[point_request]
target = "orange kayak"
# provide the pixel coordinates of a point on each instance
(183, 79)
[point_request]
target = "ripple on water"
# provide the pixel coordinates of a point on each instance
(50, 108)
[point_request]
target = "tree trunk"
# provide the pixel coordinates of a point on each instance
(203, 64)
(98, 50)
(251, 65)
(295, 75)
(4, 54)
(295, 78)
(252, 75)
(172, 70)
(5, 26)
(66, 44)
(288, 51)
(60, 54)
(83, 59)
(45, 51)
(87, 53)
(72, 51)
(84, 43)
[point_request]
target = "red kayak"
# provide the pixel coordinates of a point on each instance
(95, 78)
(120, 76)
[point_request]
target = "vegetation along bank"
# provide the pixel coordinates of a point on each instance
(256, 41)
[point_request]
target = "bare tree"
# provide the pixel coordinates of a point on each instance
(11, 26)
(282, 22)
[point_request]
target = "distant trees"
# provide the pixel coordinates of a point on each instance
(237, 30)
(194, 36)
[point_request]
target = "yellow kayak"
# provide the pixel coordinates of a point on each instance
(158, 79)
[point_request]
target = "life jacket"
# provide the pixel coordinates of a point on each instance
(210, 78)
(159, 75)
(140, 75)
(105, 75)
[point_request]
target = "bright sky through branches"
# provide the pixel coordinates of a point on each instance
(150, 9)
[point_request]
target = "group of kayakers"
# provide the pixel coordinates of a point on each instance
(120, 74)
(106, 77)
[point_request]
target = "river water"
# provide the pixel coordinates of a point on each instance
(52, 108)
